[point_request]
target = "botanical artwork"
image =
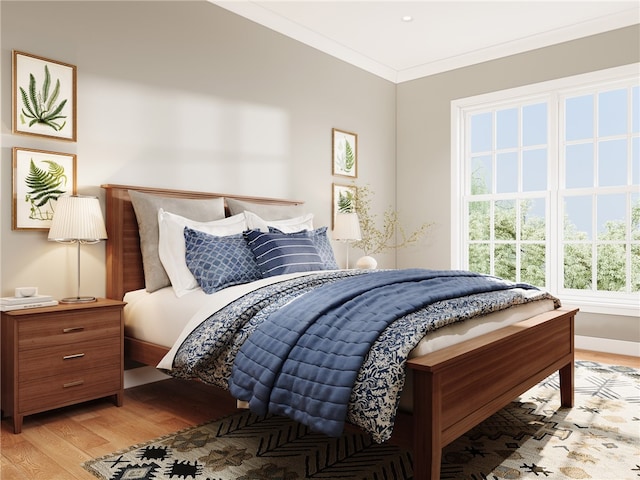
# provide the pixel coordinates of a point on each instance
(344, 199)
(345, 153)
(44, 97)
(39, 179)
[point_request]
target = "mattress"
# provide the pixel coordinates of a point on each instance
(163, 319)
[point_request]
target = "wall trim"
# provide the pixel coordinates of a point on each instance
(596, 344)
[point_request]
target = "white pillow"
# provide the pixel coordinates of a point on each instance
(171, 247)
(288, 225)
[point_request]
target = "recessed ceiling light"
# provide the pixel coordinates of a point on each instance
(407, 18)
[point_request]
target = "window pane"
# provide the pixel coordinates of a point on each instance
(579, 169)
(481, 132)
(481, 175)
(533, 219)
(505, 220)
(579, 118)
(534, 124)
(578, 223)
(612, 112)
(611, 268)
(635, 268)
(635, 216)
(505, 261)
(612, 163)
(507, 128)
(507, 173)
(611, 215)
(534, 170)
(533, 264)
(635, 159)
(577, 266)
(480, 258)
(479, 221)
(635, 109)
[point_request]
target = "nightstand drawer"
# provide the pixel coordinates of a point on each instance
(66, 359)
(67, 389)
(62, 328)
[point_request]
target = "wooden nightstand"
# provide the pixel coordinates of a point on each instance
(58, 356)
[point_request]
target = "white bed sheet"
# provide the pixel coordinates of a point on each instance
(161, 317)
(164, 319)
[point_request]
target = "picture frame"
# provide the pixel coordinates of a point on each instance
(44, 97)
(344, 153)
(40, 177)
(344, 200)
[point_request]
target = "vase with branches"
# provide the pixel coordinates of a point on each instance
(378, 239)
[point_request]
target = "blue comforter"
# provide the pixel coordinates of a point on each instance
(304, 359)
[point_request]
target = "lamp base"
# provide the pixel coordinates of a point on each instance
(78, 300)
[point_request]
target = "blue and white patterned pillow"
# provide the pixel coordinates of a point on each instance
(280, 253)
(219, 262)
(322, 244)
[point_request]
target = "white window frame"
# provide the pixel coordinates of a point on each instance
(609, 302)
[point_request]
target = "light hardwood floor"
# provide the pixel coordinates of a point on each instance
(53, 445)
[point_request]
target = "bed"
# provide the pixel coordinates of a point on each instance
(453, 388)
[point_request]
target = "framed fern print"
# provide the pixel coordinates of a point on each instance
(44, 97)
(345, 153)
(344, 200)
(39, 179)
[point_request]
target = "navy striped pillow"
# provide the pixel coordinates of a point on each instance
(322, 244)
(279, 253)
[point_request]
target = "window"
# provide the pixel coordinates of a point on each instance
(548, 187)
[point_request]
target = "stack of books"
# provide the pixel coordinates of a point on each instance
(17, 303)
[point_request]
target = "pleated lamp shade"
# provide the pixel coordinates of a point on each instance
(77, 219)
(346, 227)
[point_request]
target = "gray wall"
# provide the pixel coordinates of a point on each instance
(188, 95)
(424, 141)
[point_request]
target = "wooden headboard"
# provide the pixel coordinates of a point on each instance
(124, 259)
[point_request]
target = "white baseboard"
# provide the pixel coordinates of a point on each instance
(596, 344)
(142, 375)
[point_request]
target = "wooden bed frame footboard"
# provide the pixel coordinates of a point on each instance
(454, 388)
(460, 386)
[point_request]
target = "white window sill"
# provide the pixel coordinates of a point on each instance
(623, 308)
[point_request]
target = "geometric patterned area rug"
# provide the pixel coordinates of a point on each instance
(531, 438)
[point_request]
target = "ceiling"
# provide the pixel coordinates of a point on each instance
(441, 35)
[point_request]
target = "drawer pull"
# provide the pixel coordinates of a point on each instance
(73, 384)
(75, 355)
(73, 329)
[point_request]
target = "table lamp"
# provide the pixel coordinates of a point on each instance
(77, 219)
(346, 228)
